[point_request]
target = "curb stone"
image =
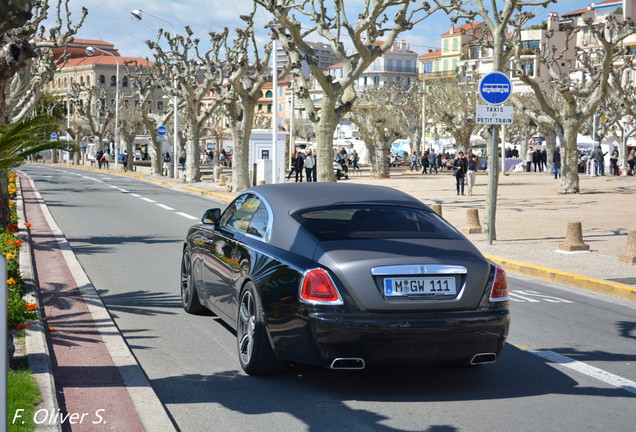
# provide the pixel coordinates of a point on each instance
(591, 284)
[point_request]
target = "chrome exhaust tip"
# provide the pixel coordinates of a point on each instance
(347, 363)
(483, 358)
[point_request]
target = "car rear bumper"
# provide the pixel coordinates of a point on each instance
(412, 338)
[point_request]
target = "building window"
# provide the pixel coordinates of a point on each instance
(124, 81)
(398, 65)
(113, 81)
(455, 44)
(260, 107)
(269, 108)
(376, 81)
(269, 94)
(102, 79)
(389, 64)
(159, 106)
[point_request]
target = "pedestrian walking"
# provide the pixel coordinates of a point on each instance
(614, 162)
(599, 159)
(473, 164)
(631, 161)
(299, 163)
(182, 161)
(354, 158)
(529, 157)
(432, 157)
(124, 160)
(461, 167)
(424, 162)
(556, 162)
(165, 168)
(544, 160)
(98, 158)
(536, 160)
(414, 161)
(104, 158)
(310, 162)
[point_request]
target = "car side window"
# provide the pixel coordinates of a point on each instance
(239, 215)
(259, 223)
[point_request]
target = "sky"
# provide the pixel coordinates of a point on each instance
(111, 21)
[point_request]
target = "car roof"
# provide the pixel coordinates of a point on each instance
(299, 196)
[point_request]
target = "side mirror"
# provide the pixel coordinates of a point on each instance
(212, 216)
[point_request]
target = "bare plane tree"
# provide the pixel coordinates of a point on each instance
(453, 104)
(371, 33)
(580, 90)
(378, 116)
(192, 75)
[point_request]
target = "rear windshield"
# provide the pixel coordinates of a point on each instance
(375, 222)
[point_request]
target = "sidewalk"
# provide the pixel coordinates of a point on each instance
(531, 222)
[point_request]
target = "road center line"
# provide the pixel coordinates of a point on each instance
(588, 370)
(187, 216)
(136, 195)
(165, 207)
(148, 199)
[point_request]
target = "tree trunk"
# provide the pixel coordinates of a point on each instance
(380, 162)
(570, 159)
(550, 140)
(192, 171)
(240, 157)
(324, 135)
(155, 161)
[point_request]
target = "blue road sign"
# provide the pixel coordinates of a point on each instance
(54, 136)
(495, 88)
(162, 130)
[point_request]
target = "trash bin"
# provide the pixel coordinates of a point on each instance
(171, 170)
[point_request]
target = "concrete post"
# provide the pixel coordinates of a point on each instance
(437, 208)
(574, 238)
(630, 255)
(222, 180)
(472, 222)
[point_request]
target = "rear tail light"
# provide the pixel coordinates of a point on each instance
(318, 288)
(500, 286)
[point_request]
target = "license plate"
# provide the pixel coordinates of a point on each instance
(419, 286)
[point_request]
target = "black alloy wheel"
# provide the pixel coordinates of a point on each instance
(189, 297)
(255, 352)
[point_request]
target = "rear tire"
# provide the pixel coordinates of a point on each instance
(255, 351)
(189, 296)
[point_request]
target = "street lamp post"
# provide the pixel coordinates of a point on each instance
(137, 13)
(90, 51)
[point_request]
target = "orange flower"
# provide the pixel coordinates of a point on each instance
(18, 243)
(13, 228)
(21, 326)
(9, 256)
(51, 329)
(11, 281)
(10, 242)
(31, 307)
(27, 224)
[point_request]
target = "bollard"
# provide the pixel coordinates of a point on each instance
(630, 255)
(472, 218)
(222, 181)
(574, 238)
(437, 208)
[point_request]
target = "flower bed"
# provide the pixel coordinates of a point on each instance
(19, 310)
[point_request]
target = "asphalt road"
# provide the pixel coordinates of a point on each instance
(569, 365)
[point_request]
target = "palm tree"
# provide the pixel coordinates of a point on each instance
(17, 141)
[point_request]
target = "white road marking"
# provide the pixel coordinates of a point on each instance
(124, 190)
(148, 199)
(187, 216)
(114, 187)
(522, 296)
(586, 369)
(136, 195)
(163, 206)
(519, 298)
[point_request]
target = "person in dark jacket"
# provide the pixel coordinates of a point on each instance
(556, 160)
(299, 163)
(461, 167)
(536, 160)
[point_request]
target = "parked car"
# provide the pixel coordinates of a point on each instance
(343, 275)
